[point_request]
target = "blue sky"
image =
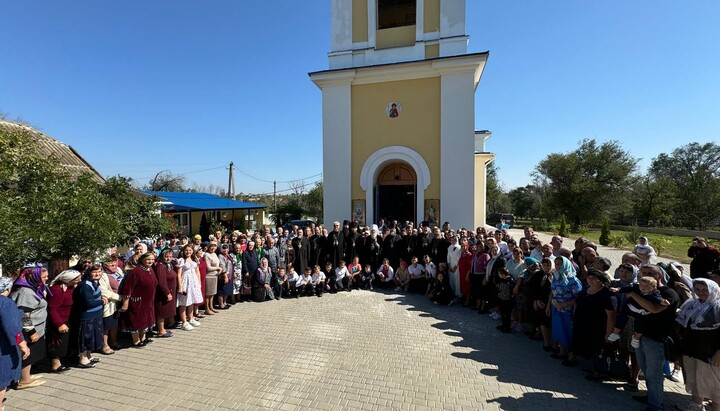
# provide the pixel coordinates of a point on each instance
(137, 87)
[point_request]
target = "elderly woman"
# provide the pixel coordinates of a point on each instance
(110, 280)
(226, 288)
(29, 293)
(13, 348)
(211, 277)
(250, 264)
(60, 302)
(703, 257)
(262, 282)
(565, 288)
(139, 249)
(137, 314)
(165, 296)
(644, 250)
(594, 318)
(88, 301)
(699, 318)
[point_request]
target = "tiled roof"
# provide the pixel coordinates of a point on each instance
(62, 154)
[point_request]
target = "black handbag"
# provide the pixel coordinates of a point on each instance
(671, 348)
(610, 364)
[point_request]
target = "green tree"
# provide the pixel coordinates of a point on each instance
(693, 173)
(584, 183)
(654, 200)
(314, 202)
(496, 200)
(605, 233)
(526, 201)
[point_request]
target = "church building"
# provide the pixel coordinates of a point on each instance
(399, 138)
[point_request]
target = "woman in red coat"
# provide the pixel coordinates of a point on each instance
(165, 296)
(202, 266)
(60, 301)
(137, 314)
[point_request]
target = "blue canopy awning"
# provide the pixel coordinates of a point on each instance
(181, 201)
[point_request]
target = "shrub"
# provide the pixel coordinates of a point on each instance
(605, 233)
(618, 241)
(563, 230)
(633, 234)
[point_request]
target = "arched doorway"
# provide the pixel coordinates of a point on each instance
(396, 196)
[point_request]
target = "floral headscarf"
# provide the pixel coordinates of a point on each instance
(702, 315)
(31, 278)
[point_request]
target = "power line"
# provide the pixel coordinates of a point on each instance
(180, 174)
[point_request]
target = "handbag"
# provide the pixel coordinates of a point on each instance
(671, 348)
(610, 363)
(245, 290)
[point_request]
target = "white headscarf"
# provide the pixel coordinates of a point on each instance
(645, 250)
(65, 277)
(702, 315)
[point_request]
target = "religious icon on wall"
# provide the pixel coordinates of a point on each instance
(359, 211)
(432, 211)
(393, 109)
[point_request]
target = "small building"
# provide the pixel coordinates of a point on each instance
(188, 208)
(399, 137)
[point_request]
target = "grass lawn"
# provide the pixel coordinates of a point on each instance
(669, 246)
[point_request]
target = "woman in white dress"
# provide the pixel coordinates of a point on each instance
(189, 292)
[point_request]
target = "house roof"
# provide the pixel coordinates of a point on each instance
(182, 201)
(64, 156)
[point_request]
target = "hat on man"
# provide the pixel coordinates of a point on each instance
(197, 237)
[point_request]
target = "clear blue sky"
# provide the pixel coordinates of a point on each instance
(138, 87)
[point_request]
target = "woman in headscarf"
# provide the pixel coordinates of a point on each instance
(627, 276)
(211, 277)
(165, 297)
(137, 314)
(565, 288)
(537, 279)
(88, 301)
(644, 251)
(110, 281)
(60, 302)
(699, 318)
(134, 261)
(262, 282)
(226, 280)
(29, 293)
(13, 348)
(594, 318)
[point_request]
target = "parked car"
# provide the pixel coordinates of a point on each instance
(300, 223)
(495, 219)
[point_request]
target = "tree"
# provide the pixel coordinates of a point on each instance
(654, 200)
(314, 202)
(166, 181)
(526, 201)
(496, 200)
(584, 183)
(693, 172)
(291, 209)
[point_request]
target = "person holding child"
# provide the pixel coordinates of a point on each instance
(505, 285)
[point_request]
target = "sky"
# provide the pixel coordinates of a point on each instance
(139, 87)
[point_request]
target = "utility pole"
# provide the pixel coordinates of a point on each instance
(274, 195)
(231, 183)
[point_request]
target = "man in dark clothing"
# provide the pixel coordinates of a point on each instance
(301, 246)
(391, 248)
(438, 248)
(334, 246)
(657, 325)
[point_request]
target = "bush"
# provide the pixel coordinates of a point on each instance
(618, 241)
(633, 234)
(563, 230)
(605, 233)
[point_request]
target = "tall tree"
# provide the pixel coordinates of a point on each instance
(584, 183)
(496, 200)
(166, 181)
(693, 171)
(526, 201)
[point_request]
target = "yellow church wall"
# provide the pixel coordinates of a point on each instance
(417, 127)
(360, 21)
(432, 51)
(395, 37)
(431, 19)
(480, 185)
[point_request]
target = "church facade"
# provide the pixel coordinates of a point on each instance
(399, 138)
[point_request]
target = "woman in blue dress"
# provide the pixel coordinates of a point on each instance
(565, 288)
(13, 348)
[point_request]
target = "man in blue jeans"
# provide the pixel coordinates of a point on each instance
(657, 325)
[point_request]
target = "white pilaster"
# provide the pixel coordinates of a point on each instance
(336, 151)
(457, 163)
(341, 25)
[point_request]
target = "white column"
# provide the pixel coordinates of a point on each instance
(372, 24)
(336, 152)
(341, 25)
(457, 163)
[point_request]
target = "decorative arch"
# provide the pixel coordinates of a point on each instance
(393, 154)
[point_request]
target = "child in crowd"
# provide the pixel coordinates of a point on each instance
(505, 285)
(402, 277)
(430, 273)
(385, 275)
(281, 286)
(342, 280)
(647, 288)
(317, 279)
(304, 284)
(441, 292)
(293, 279)
(330, 278)
(354, 269)
(366, 278)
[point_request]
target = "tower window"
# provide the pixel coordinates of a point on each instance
(396, 13)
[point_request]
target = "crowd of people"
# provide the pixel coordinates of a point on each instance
(643, 316)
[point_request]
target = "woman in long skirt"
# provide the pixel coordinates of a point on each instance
(89, 304)
(60, 302)
(137, 314)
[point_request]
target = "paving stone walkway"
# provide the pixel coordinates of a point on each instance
(363, 350)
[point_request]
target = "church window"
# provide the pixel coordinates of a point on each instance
(396, 13)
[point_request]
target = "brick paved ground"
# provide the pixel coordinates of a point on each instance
(360, 350)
